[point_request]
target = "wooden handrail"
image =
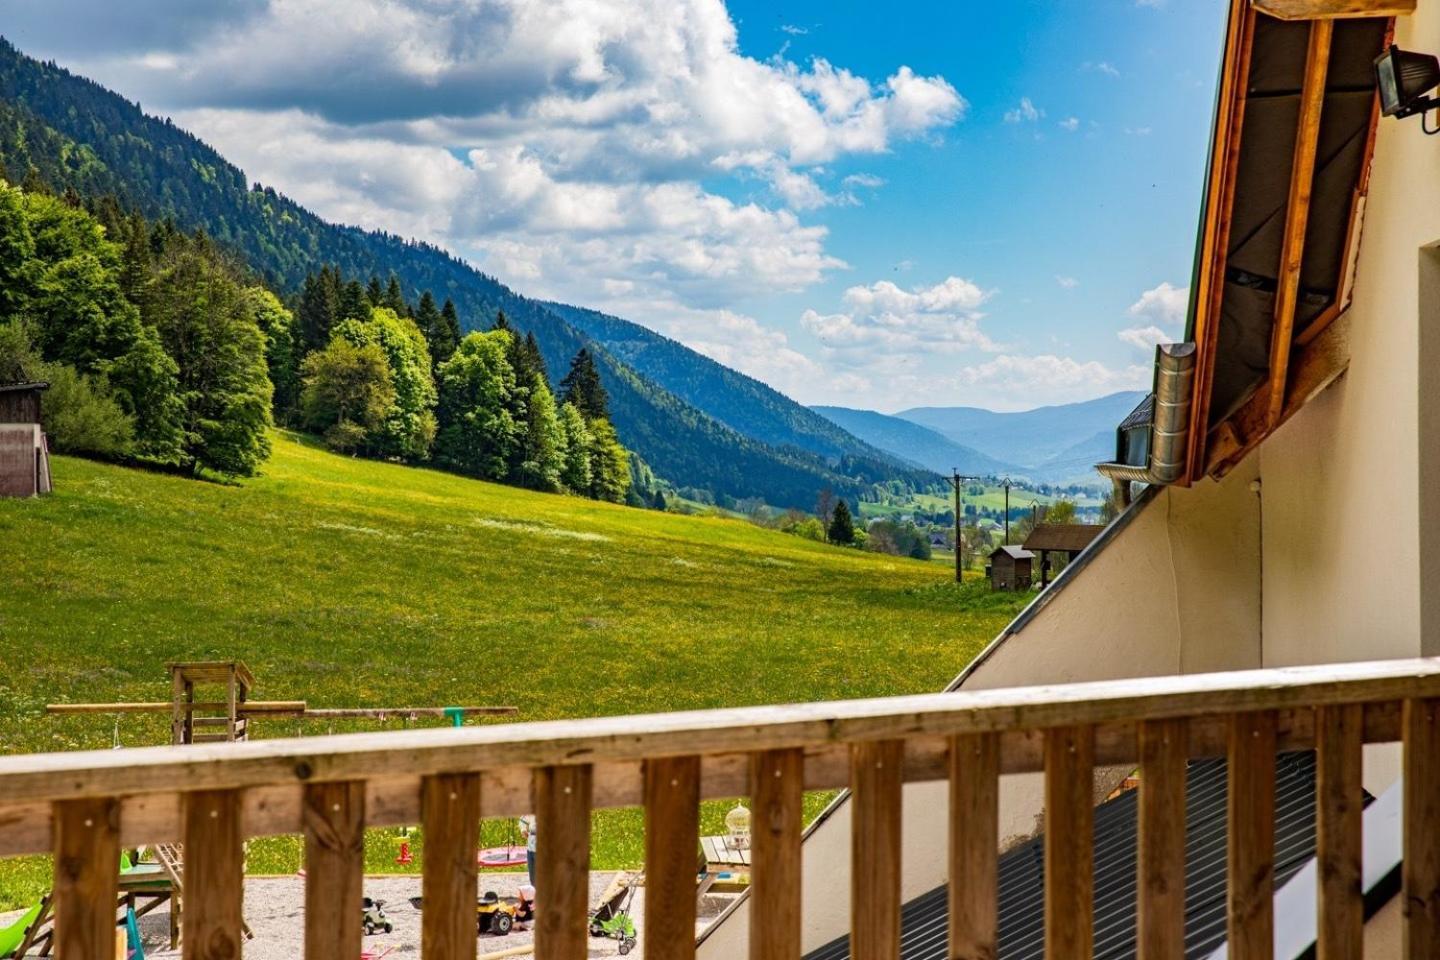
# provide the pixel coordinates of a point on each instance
(84, 805)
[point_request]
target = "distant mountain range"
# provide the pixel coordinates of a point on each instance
(1055, 444)
(710, 429)
(916, 444)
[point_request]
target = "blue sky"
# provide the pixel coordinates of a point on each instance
(872, 205)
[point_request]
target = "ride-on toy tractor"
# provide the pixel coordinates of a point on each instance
(493, 915)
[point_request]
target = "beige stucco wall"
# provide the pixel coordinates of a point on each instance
(1345, 523)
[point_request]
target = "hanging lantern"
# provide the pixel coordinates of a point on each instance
(737, 823)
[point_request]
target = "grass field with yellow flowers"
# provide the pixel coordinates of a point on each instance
(347, 582)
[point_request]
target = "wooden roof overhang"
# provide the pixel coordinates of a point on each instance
(1288, 173)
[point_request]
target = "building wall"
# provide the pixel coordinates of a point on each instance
(1347, 541)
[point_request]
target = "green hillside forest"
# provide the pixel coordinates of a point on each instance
(345, 581)
(66, 134)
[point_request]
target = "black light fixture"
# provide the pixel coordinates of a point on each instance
(1404, 78)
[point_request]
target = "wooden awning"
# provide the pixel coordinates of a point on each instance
(1289, 167)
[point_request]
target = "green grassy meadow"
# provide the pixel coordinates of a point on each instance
(348, 582)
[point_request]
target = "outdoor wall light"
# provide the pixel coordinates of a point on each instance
(1404, 79)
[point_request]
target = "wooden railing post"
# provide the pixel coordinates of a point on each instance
(334, 819)
(1251, 841)
(562, 861)
(1421, 868)
(87, 865)
(974, 846)
(1164, 759)
(777, 779)
(672, 834)
(450, 816)
(875, 782)
(1069, 842)
(214, 876)
(1339, 801)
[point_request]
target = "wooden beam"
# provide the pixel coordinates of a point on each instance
(974, 888)
(1339, 802)
(1160, 927)
(334, 869)
(672, 833)
(875, 849)
(87, 864)
(450, 816)
(1319, 10)
(1250, 811)
(214, 876)
(31, 778)
(1297, 213)
(1215, 235)
(1420, 868)
(1069, 843)
(562, 862)
(1315, 366)
(775, 872)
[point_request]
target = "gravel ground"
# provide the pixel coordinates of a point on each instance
(274, 909)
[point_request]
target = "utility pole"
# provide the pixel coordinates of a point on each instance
(1006, 484)
(956, 479)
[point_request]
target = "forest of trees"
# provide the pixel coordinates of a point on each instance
(161, 347)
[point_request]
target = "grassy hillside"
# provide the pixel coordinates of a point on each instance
(350, 582)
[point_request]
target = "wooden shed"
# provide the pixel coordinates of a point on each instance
(24, 458)
(20, 402)
(1066, 539)
(1010, 568)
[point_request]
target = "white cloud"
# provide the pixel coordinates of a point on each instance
(1164, 304)
(884, 318)
(1070, 124)
(793, 30)
(1145, 338)
(1067, 283)
(1024, 112)
(1037, 380)
(1100, 66)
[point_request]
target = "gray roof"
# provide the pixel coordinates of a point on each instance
(1022, 872)
(1142, 416)
(1017, 552)
(24, 385)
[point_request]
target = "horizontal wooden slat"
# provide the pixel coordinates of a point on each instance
(1333, 9)
(395, 801)
(752, 729)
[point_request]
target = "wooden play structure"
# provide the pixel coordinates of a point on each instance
(209, 703)
(226, 714)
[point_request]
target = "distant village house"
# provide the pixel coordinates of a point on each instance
(24, 459)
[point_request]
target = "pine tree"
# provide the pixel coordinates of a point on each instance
(842, 528)
(427, 318)
(395, 297)
(447, 337)
(583, 388)
(501, 323)
(136, 261)
(353, 303)
(524, 356)
(318, 312)
(374, 292)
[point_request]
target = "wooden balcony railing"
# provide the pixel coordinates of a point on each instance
(83, 807)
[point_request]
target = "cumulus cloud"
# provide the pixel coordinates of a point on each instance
(1159, 315)
(885, 318)
(1056, 379)
(1164, 304)
(1070, 124)
(1024, 112)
